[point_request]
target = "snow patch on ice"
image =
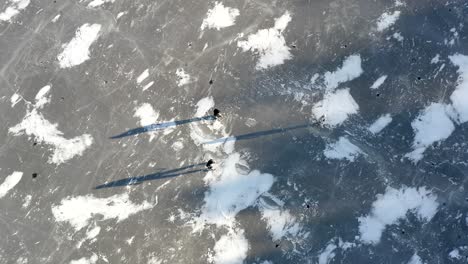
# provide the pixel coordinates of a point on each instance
(455, 254)
(398, 36)
(436, 59)
(415, 259)
(280, 222)
(41, 97)
(10, 182)
(387, 19)
(380, 123)
(204, 105)
(432, 125)
(91, 260)
(96, 3)
(79, 210)
(220, 17)
(379, 82)
(147, 115)
(350, 70)
(14, 9)
(231, 248)
(342, 149)
(335, 107)
(327, 254)
(393, 206)
(232, 192)
(459, 97)
(183, 77)
(269, 44)
(142, 76)
(148, 86)
(15, 98)
(76, 51)
(55, 19)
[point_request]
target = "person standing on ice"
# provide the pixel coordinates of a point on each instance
(216, 113)
(209, 164)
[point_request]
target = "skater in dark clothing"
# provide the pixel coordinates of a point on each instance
(209, 164)
(216, 113)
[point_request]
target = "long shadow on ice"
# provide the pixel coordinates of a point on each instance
(161, 126)
(155, 176)
(258, 134)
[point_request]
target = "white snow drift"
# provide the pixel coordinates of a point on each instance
(76, 51)
(231, 248)
(342, 149)
(393, 206)
(183, 77)
(96, 3)
(335, 107)
(220, 17)
(459, 97)
(350, 70)
(10, 181)
(432, 125)
(387, 19)
(14, 9)
(142, 76)
(379, 82)
(269, 44)
(91, 260)
(380, 123)
(279, 221)
(35, 124)
(79, 210)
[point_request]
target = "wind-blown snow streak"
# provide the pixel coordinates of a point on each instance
(142, 76)
(15, 98)
(96, 3)
(459, 97)
(335, 107)
(269, 44)
(91, 260)
(14, 9)
(393, 206)
(350, 70)
(76, 51)
(220, 17)
(379, 82)
(432, 125)
(380, 123)
(342, 149)
(35, 124)
(387, 19)
(78, 211)
(327, 254)
(10, 182)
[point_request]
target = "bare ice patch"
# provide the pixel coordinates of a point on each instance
(380, 123)
(10, 181)
(387, 19)
(432, 125)
(379, 82)
(34, 124)
(183, 77)
(335, 107)
(13, 9)
(392, 206)
(350, 70)
(76, 51)
(269, 44)
(220, 17)
(79, 210)
(342, 149)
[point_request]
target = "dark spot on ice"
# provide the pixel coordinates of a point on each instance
(403, 231)
(35, 143)
(413, 59)
(211, 81)
(190, 44)
(450, 9)
(34, 175)
(277, 245)
(62, 98)
(444, 204)
(419, 78)
(377, 95)
(105, 82)
(345, 45)
(308, 206)
(459, 236)
(294, 46)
